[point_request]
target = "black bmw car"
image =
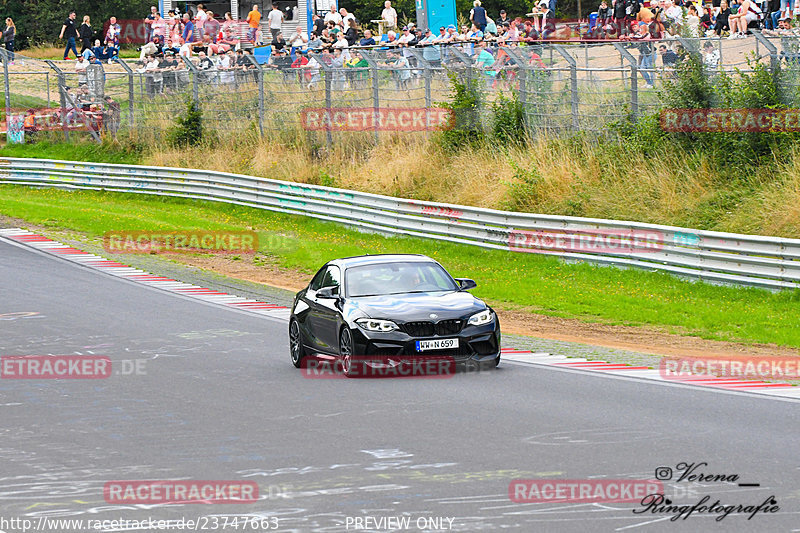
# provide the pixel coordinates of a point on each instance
(387, 306)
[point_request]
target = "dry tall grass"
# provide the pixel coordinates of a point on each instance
(547, 176)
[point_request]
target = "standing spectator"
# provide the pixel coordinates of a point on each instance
(112, 36)
(8, 38)
(228, 24)
(647, 61)
(69, 32)
(200, 19)
(352, 33)
(693, 22)
(160, 28)
(85, 34)
(503, 20)
(668, 58)
(275, 19)
(319, 25)
(389, 14)
(188, 29)
(154, 78)
(148, 24)
(345, 17)
(112, 113)
(478, 15)
(620, 20)
(253, 20)
(81, 64)
(211, 26)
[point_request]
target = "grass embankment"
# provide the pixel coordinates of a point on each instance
(558, 176)
(513, 281)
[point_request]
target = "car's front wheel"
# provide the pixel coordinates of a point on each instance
(346, 353)
(296, 349)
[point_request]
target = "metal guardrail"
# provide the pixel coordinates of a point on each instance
(751, 260)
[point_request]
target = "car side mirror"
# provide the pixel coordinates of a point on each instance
(328, 293)
(466, 284)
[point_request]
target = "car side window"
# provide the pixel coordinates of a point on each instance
(331, 277)
(316, 282)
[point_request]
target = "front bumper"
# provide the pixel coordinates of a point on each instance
(475, 344)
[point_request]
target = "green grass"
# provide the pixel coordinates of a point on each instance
(537, 283)
(107, 152)
(20, 102)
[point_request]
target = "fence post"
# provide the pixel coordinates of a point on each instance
(252, 59)
(427, 76)
(573, 75)
(774, 62)
(195, 79)
(62, 98)
(6, 83)
(634, 79)
(373, 72)
(130, 90)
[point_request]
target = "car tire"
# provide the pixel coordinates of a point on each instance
(346, 353)
(296, 349)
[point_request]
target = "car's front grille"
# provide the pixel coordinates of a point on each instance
(449, 327)
(419, 329)
(429, 329)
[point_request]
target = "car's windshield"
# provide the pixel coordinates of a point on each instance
(397, 278)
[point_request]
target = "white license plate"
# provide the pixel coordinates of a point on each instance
(437, 344)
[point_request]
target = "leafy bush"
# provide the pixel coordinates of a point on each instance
(188, 130)
(509, 119)
(464, 106)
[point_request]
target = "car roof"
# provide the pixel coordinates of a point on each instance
(361, 260)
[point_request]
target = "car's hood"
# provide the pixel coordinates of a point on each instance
(418, 306)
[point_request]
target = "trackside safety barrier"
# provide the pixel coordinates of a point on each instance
(752, 260)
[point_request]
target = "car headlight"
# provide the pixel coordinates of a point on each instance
(479, 319)
(373, 324)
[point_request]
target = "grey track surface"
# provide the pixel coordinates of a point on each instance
(220, 400)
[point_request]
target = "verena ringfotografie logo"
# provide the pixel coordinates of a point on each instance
(730, 120)
(55, 367)
(587, 241)
(373, 366)
(582, 490)
(376, 119)
(740, 368)
(168, 491)
(146, 242)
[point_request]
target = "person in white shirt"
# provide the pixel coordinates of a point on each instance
(298, 40)
(225, 65)
(346, 17)
(389, 15)
(333, 16)
(200, 20)
(275, 19)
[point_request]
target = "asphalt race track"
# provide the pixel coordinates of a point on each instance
(214, 397)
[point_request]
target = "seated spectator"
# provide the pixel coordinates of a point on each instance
(278, 43)
(229, 38)
(747, 13)
(710, 56)
(668, 58)
(693, 22)
(298, 40)
(474, 34)
(368, 40)
(604, 15)
(170, 47)
(784, 29)
(722, 21)
(151, 48)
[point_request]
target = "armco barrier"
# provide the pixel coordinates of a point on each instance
(769, 262)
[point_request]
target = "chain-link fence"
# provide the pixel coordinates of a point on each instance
(562, 86)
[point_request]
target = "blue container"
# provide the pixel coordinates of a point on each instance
(592, 20)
